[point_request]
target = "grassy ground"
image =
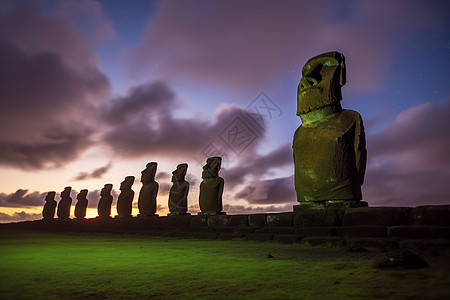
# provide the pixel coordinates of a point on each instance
(115, 266)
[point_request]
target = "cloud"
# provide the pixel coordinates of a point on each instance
(96, 173)
(241, 209)
(408, 161)
(19, 217)
(21, 198)
(272, 191)
(49, 84)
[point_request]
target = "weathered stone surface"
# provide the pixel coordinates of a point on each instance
(427, 246)
(167, 221)
(211, 188)
(258, 220)
(179, 191)
(329, 147)
(372, 244)
(419, 232)
(63, 210)
(275, 230)
(321, 241)
(400, 258)
(438, 215)
(317, 218)
(182, 220)
(105, 202)
(244, 230)
(148, 221)
(238, 221)
(81, 205)
(316, 231)
(387, 216)
(362, 231)
(218, 220)
(286, 238)
(230, 236)
(280, 219)
(125, 199)
(199, 220)
(260, 237)
(149, 190)
(48, 212)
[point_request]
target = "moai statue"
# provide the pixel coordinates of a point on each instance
(81, 206)
(104, 205)
(329, 146)
(179, 191)
(211, 188)
(125, 200)
(149, 191)
(63, 211)
(49, 206)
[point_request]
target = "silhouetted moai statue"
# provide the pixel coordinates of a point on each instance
(125, 200)
(63, 211)
(211, 188)
(329, 147)
(179, 191)
(81, 206)
(104, 205)
(149, 191)
(49, 206)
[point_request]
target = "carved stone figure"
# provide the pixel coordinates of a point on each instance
(149, 191)
(104, 205)
(329, 147)
(49, 206)
(179, 191)
(125, 200)
(63, 211)
(81, 206)
(211, 188)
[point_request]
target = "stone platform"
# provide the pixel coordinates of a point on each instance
(425, 228)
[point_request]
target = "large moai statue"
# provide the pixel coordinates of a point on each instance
(81, 206)
(211, 188)
(63, 211)
(179, 191)
(149, 191)
(329, 146)
(104, 205)
(125, 200)
(48, 212)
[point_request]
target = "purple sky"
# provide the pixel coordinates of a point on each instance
(90, 91)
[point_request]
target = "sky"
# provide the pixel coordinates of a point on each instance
(91, 91)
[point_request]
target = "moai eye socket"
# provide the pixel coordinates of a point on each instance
(306, 69)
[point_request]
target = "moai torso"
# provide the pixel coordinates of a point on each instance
(179, 191)
(81, 206)
(147, 196)
(104, 205)
(63, 211)
(49, 206)
(211, 188)
(125, 200)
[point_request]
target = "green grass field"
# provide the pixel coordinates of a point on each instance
(36, 265)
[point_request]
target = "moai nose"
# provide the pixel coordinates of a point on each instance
(306, 82)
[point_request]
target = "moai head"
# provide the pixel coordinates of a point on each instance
(212, 167)
(50, 196)
(82, 194)
(127, 183)
(322, 79)
(148, 174)
(179, 173)
(106, 190)
(66, 192)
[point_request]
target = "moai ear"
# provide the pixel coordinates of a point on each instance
(343, 72)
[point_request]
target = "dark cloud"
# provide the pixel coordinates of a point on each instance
(49, 84)
(96, 173)
(272, 191)
(241, 209)
(21, 198)
(408, 161)
(18, 217)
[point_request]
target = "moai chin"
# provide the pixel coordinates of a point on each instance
(104, 205)
(125, 200)
(63, 210)
(149, 191)
(211, 188)
(48, 212)
(179, 191)
(329, 146)
(81, 206)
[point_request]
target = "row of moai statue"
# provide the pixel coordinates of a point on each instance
(210, 196)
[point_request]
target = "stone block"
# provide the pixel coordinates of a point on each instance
(167, 221)
(258, 220)
(260, 237)
(362, 231)
(199, 220)
(182, 220)
(386, 216)
(437, 215)
(280, 219)
(315, 231)
(244, 230)
(419, 232)
(372, 244)
(275, 230)
(318, 217)
(238, 221)
(218, 220)
(230, 236)
(323, 241)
